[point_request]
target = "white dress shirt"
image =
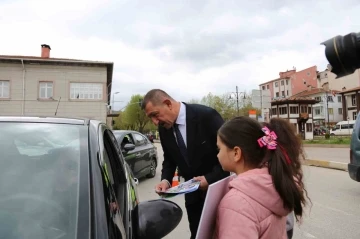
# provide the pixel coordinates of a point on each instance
(181, 121)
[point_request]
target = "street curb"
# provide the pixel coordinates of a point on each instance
(318, 163)
(326, 164)
(326, 145)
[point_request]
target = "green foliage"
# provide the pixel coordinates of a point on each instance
(327, 136)
(222, 104)
(227, 106)
(132, 118)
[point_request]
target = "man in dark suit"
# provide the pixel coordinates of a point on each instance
(188, 134)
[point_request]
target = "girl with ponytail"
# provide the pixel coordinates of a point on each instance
(269, 183)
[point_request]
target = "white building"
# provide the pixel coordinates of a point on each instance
(46, 86)
(329, 107)
(351, 103)
(340, 84)
(298, 111)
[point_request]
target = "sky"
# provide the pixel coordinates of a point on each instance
(188, 48)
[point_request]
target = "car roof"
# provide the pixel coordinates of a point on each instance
(40, 119)
(125, 131)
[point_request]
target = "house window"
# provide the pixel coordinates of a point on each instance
(331, 111)
(330, 99)
(267, 87)
(340, 111)
(317, 111)
(354, 115)
(309, 127)
(303, 109)
(282, 82)
(263, 87)
(277, 94)
(276, 84)
(91, 91)
(309, 110)
(287, 92)
(282, 110)
(294, 110)
(4, 89)
(318, 98)
(353, 99)
(274, 111)
(339, 99)
(45, 90)
(283, 93)
(287, 82)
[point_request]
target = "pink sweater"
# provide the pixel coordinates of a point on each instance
(252, 209)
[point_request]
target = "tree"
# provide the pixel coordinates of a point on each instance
(222, 104)
(133, 117)
(194, 101)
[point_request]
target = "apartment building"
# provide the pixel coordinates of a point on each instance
(340, 84)
(350, 103)
(291, 82)
(298, 111)
(45, 86)
(328, 108)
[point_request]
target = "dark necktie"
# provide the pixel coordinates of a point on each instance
(181, 143)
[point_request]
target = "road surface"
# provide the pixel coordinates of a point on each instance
(335, 211)
(341, 155)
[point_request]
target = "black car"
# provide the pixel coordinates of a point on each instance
(66, 179)
(138, 151)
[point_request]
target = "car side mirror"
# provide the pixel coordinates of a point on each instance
(129, 147)
(155, 218)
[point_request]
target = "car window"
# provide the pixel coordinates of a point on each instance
(139, 139)
(114, 185)
(39, 179)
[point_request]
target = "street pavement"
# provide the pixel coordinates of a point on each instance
(335, 200)
(341, 155)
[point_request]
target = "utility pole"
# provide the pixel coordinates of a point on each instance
(327, 109)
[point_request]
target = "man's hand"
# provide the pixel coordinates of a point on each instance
(162, 187)
(203, 183)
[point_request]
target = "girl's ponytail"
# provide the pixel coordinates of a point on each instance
(284, 163)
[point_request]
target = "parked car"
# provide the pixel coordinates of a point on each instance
(138, 151)
(66, 178)
(354, 165)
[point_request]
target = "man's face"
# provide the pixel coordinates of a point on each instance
(161, 114)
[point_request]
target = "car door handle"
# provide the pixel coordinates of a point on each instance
(138, 154)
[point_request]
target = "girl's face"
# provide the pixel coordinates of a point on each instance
(230, 159)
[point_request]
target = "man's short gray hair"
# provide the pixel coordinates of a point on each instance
(155, 96)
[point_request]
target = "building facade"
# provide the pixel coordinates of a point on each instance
(291, 82)
(44, 86)
(329, 109)
(298, 111)
(351, 103)
(340, 84)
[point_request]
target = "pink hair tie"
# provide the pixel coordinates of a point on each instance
(269, 139)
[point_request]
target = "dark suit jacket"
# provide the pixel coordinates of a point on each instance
(202, 124)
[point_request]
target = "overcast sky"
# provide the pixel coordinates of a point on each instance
(188, 48)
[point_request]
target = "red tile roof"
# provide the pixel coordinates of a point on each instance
(294, 100)
(314, 91)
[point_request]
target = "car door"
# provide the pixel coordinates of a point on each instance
(116, 187)
(143, 153)
(132, 157)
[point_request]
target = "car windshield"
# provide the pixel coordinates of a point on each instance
(39, 179)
